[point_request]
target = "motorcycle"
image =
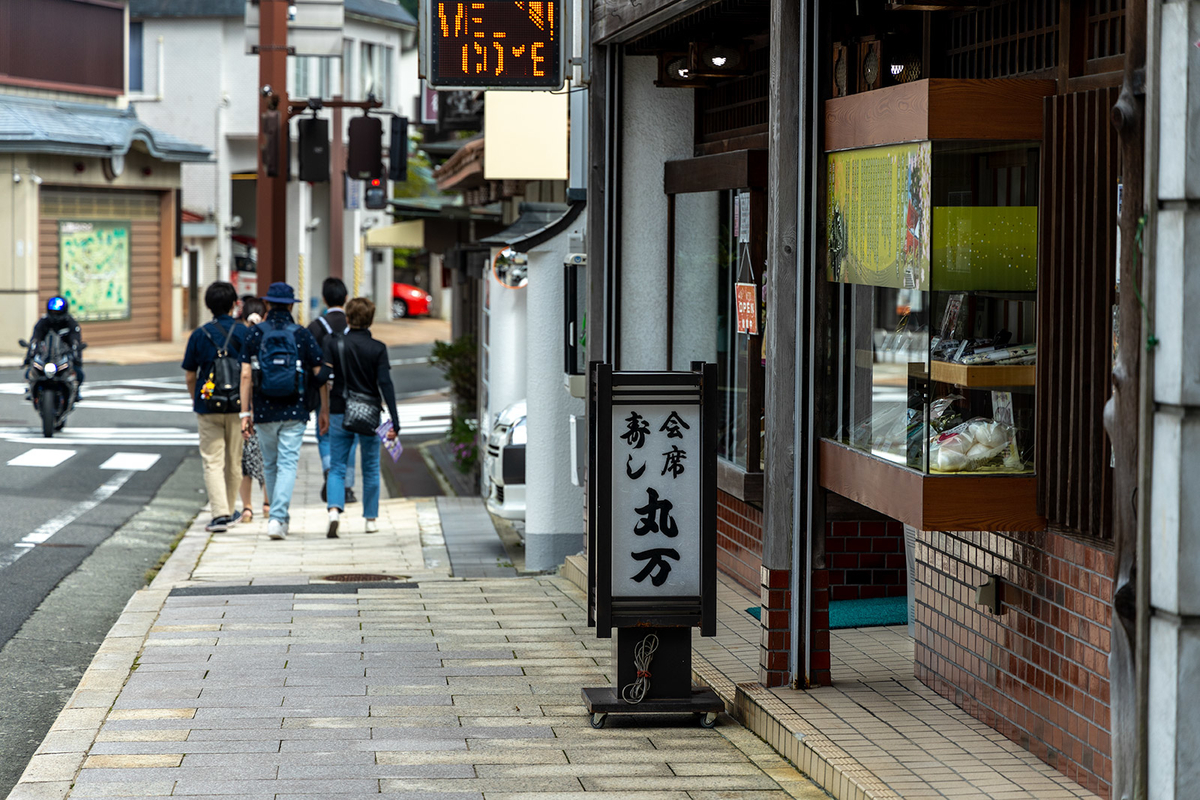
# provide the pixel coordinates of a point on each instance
(53, 386)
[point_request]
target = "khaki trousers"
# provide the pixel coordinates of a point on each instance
(221, 452)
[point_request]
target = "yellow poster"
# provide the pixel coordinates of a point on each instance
(878, 216)
(93, 269)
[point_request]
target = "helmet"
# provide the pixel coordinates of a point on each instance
(56, 305)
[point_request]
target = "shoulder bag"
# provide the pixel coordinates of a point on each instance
(362, 410)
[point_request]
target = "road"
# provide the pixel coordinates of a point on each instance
(64, 498)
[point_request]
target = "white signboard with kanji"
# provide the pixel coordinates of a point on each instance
(656, 506)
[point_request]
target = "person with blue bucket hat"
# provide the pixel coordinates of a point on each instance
(278, 359)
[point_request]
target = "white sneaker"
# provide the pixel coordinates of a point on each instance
(372, 526)
(333, 524)
(276, 529)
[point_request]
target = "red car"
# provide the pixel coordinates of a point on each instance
(409, 301)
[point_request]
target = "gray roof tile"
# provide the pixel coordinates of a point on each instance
(34, 125)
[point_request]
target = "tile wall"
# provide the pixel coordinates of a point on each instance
(1038, 671)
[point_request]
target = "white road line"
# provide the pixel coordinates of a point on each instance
(407, 362)
(53, 526)
(134, 462)
(41, 457)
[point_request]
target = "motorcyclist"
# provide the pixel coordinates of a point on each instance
(57, 319)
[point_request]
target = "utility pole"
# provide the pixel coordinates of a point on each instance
(271, 224)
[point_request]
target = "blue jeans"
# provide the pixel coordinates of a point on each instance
(341, 443)
(323, 449)
(280, 444)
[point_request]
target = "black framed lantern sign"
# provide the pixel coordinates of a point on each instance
(652, 535)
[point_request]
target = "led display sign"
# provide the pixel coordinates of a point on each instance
(501, 44)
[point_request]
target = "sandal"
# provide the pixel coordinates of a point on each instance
(247, 516)
(266, 510)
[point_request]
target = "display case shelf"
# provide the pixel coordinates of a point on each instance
(977, 376)
(931, 502)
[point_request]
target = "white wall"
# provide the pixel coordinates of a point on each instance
(697, 231)
(553, 505)
(506, 337)
(656, 127)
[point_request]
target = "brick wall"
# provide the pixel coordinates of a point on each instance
(865, 559)
(739, 540)
(1038, 672)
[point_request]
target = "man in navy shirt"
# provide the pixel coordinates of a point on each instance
(220, 434)
(280, 417)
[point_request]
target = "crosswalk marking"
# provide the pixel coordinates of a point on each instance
(41, 457)
(134, 462)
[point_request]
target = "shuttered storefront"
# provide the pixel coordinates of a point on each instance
(143, 212)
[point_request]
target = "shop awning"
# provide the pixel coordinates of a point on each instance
(409, 235)
(537, 223)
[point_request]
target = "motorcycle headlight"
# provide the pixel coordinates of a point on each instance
(51, 368)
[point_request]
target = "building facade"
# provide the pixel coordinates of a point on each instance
(89, 203)
(894, 228)
(192, 72)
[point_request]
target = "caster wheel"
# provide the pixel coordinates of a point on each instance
(708, 720)
(597, 720)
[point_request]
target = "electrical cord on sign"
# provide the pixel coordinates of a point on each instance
(635, 692)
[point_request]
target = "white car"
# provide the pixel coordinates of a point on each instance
(504, 463)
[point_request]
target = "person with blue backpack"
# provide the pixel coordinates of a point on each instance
(212, 366)
(279, 358)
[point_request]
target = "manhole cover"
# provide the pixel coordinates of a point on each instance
(356, 577)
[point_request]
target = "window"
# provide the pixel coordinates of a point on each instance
(347, 70)
(325, 77)
(136, 68)
(375, 72)
(301, 69)
(717, 243)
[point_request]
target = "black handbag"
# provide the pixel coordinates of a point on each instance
(362, 410)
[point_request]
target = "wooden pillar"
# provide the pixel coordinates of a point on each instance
(1121, 419)
(780, 390)
(271, 215)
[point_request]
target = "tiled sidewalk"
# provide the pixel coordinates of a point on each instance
(237, 675)
(878, 733)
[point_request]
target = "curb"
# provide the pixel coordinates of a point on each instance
(51, 775)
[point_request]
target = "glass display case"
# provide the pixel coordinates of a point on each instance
(932, 247)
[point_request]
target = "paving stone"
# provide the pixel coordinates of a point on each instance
(133, 761)
(277, 787)
(705, 783)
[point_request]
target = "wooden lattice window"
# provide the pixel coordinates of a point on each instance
(1016, 37)
(1105, 35)
(737, 108)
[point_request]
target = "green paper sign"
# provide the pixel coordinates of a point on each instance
(94, 269)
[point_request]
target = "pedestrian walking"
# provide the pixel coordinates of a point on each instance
(333, 292)
(253, 311)
(362, 383)
(278, 359)
(212, 365)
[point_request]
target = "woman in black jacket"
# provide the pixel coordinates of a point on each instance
(366, 371)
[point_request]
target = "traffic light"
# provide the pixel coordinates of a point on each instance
(398, 149)
(365, 156)
(375, 197)
(314, 149)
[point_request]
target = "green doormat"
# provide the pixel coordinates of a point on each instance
(868, 613)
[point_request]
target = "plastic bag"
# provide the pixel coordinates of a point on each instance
(972, 445)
